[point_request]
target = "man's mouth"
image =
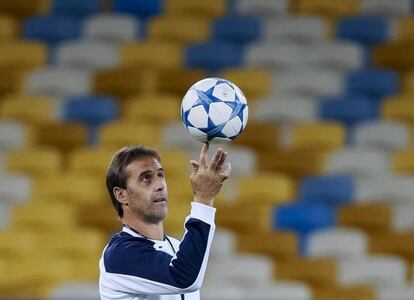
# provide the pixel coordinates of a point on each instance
(160, 200)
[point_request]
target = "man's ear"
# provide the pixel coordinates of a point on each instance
(120, 195)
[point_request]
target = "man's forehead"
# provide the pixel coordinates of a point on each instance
(144, 163)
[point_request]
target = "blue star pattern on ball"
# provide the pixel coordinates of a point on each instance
(214, 110)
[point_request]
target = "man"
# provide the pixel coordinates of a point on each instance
(141, 262)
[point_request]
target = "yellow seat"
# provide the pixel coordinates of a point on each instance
(159, 109)
(352, 292)
(179, 29)
(90, 161)
(24, 8)
(104, 217)
(259, 136)
(265, 187)
(197, 7)
(15, 54)
(8, 28)
(176, 163)
(177, 81)
(407, 96)
(402, 111)
(152, 54)
(174, 222)
(384, 55)
(11, 80)
(327, 8)
(35, 161)
(318, 136)
(123, 82)
(16, 244)
(407, 86)
(29, 109)
(403, 161)
(121, 134)
(395, 243)
(371, 217)
(76, 189)
(63, 136)
(405, 29)
(253, 89)
(43, 216)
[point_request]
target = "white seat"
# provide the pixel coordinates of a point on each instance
(275, 56)
(279, 291)
(14, 188)
(75, 291)
(221, 290)
(302, 29)
(341, 56)
(340, 243)
(114, 28)
(58, 82)
(381, 271)
(87, 55)
(285, 109)
(384, 135)
(386, 7)
(386, 188)
(224, 244)
(174, 135)
(403, 217)
(358, 162)
(13, 135)
(262, 8)
(307, 82)
(393, 293)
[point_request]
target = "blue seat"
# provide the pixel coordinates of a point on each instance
(375, 83)
(75, 7)
(348, 109)
(141, 8)
(52, 29)
(91, 110)
(368, 30)
(213, 56)
(327, 189)
(237, 29)
(303, 217)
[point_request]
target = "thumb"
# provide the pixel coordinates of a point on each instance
(195, 165)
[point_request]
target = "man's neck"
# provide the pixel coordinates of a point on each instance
(151, 231)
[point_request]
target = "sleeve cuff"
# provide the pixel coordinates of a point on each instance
(203, 212)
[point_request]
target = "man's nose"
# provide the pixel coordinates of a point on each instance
(160, 185)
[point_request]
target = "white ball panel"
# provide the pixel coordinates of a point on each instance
(224, 92)
(205, 84)
(197, 134)
(198, 117)
(219, 112)
(245, 116)
(240, 94)
(232, 127)
(189, 99)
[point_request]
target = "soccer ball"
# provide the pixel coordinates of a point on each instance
(214, 110)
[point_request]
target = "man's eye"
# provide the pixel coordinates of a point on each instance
(146, 178)
(161, 175)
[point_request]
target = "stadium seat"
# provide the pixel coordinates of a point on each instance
(178, 80)
(143, 9)
(14, 246)
(161, 109)
(401, 292)
(375, 270)
(327, 189)
(367, 30)
(8, 28)
(213, 56)
(339, 243)
(91, 110)
(242, 78)
(358, 162)
(386, 135)
(395, 243)
(386, 8)
(348, 110)
(402, 218)
(121, 133)
(90, 161)
(51, 29)
(404, 29)
(14, 54)
(403, 161)
(284, 109)
(407, 86)
(317, 136)
(34, 162)
(77, 8)
(13, 135)
(369, 217)
(28, 108)
(86, 55)
(261, 8)
(154, 54)
(349, 292)
(11, 80)
(384, 55)
(240, 30)
(58, 82)
(75, 290)
(375, 83)
(399, 111)
(175, 136)
(326, 8)
(224, 243)
(111, 28)
(198, 7)
(308, 82)
(15, 188)
(279, 291)
(179, 29)
(23, 9)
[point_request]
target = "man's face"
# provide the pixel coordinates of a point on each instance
(147, 190)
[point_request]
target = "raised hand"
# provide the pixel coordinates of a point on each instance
(207, 178)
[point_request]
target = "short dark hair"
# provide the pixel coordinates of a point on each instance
(117, 177)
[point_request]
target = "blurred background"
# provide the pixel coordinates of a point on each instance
(320, 204)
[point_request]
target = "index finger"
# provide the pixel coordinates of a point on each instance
(203, 155)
